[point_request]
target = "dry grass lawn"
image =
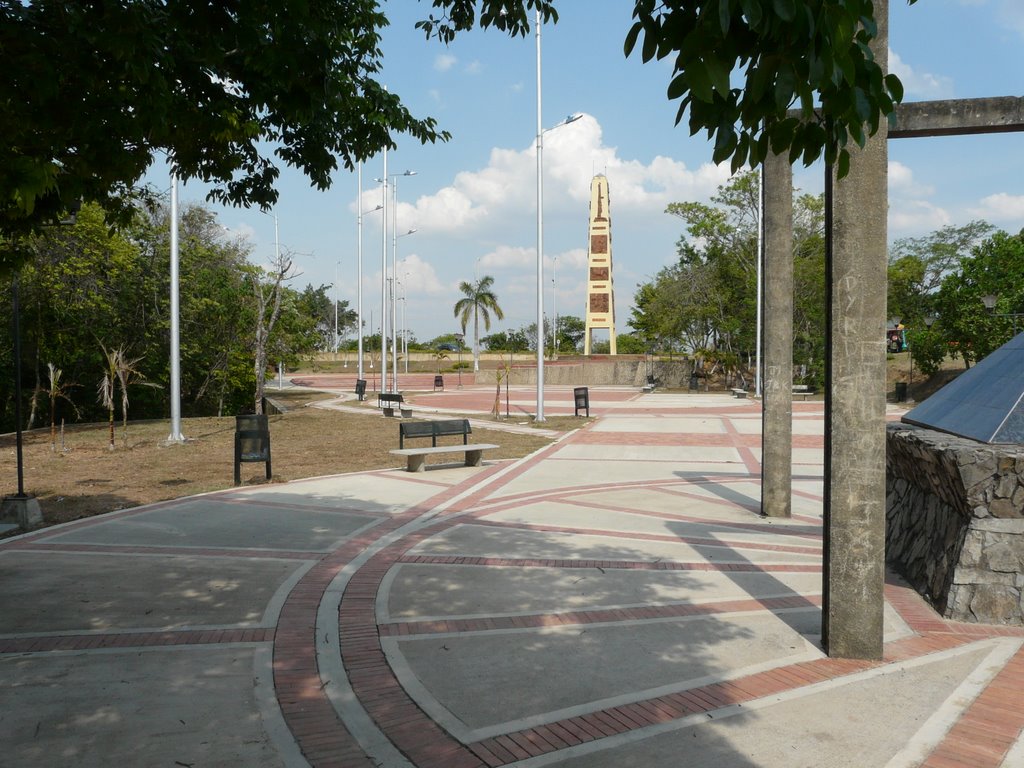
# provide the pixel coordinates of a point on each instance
(87, 478)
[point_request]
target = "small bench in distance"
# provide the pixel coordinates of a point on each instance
(387, 401)
(803, 391)
(740, 393)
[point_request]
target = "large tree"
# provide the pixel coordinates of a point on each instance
(229, 91)
(918, 265)
(478, 300)
(708, 299)
(995, 268)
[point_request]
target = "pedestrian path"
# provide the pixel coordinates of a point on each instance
(612, 600)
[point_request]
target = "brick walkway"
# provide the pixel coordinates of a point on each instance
(613, 600)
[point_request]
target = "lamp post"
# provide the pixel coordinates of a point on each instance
(989, 300)
(359, 265)
(459, 337)
(175, 383)
(394, 309)
(337, 268)
(554, 308)
(384, 270)
(394, 274)
(405, 332)
(540, 227)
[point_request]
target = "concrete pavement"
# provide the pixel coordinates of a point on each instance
(613, 600)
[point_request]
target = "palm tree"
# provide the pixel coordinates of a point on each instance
(479, 301)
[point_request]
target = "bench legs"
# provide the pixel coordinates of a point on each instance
(418, 462)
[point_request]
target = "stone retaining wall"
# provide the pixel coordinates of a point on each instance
(955, 522)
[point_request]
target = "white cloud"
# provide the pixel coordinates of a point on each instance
(1001, 207)
(911, 212)
(914, 217)
(444, 62)
(418, 276)
(901, 182)
(919, 85)
(508, 257)
(474, 68)
(504, 190)
(1011, 14)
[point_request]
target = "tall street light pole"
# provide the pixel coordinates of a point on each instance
(394, 276)
(394, 304)
(175, 436)
(384, 277)
(359, 270)
(540, 228)
(540, 237)
(554, 307)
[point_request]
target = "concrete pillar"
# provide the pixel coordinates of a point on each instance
(855, 406)
(777, 415)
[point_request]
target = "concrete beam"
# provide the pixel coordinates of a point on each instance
(777, 416)
(959, 117)
(854, 572)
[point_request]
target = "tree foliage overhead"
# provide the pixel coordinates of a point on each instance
(810, 55)
(228, 90)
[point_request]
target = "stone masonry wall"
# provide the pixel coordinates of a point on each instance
(955, 522)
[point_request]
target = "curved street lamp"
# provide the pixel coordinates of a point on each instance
(540, 227)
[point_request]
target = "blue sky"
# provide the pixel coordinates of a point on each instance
(472, 200)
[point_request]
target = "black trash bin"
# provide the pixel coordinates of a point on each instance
(693, 381)
(439, 383)
(252, 442)
(361, 389)
(901, 391)
(582, 397)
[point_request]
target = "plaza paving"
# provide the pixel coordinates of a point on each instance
(612, 600)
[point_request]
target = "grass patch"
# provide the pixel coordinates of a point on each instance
(87, 478)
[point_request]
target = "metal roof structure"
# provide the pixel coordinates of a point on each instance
(984, 403)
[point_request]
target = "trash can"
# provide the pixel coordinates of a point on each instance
(693, 382)
(439, 383)
(582, 397)
(361, 389)
(901, 391)
(252, 442)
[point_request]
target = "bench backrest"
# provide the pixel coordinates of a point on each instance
(433, 430)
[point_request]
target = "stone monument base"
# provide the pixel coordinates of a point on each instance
(955, 522)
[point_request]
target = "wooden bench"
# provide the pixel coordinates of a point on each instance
(416, 457)
(387, 401)
(740, 393)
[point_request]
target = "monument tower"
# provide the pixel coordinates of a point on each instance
(600, 295)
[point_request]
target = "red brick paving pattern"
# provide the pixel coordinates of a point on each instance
(424, 742)
(983, 734)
